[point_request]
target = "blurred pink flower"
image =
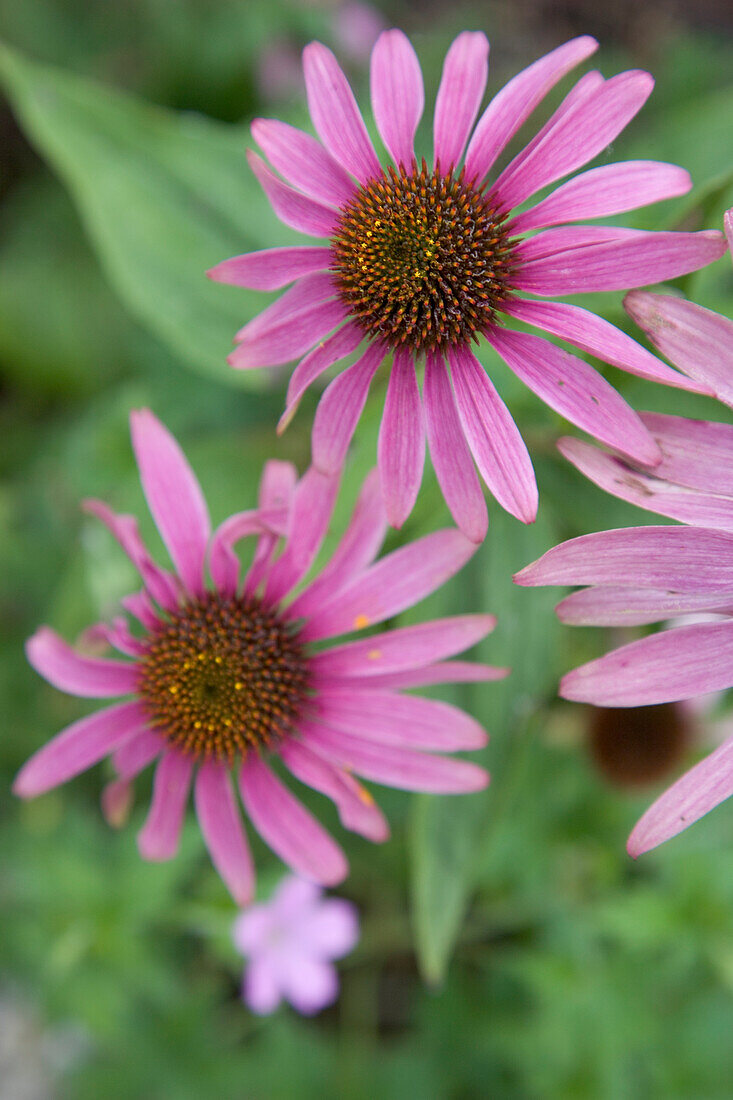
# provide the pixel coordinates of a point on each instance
(422, 261)
(290, 942)
(356, 27)
(237, 671)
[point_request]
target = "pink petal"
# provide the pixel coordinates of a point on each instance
(292, 207)
(401, 446)
(611, 189)
(405, 721)
(116, 634)
(356, 807)
(568, 238)
(303, 162)
(335, 114)
(357, 549)
(576, 391)
(136, 753)
(395, 767)
(339, 410)
(636, 260)
(313, 503)
(116, 802)
(695, 794)
(88, 677)
(446, 672)
(142, 608)
(398, 96)
(271, 268)
(408, 647)
(461, 90)
(159, 583)
(698, 453)
(449, 451)
(397, 581)
(252, 928)
(696, 340)
(342, 343)
(331, 930)
(159, 837)
(681, 559)
(287, 341)
(728, 227)
(308, 983)
(223, 562)
(598, 337)
(261, 990)
(223, 832)
(311, 290)
(493, 437)
(78, 747)
(174, 498)
(575, 138)
(663, 668)
(277, 489)
(513, 105)
(288, 828)
(622, 606)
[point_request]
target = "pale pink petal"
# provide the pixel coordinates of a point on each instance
(222, 829)
(697, 453)
(513, 105)
(223, 562)
(356, 807)
(575, 138)
(398, 96)
(78, 747)
(695, 794)
(611, 189)
(449, 451)
(575, 390)
(696, 340)
(395, 767)
(339, 410)
(446, 672)
(357, 549)
(663, 668)
(261, 990)
(492, 435)
(617, 605)
(331, 930)
(252, 929)
(406, 721)
(293, 900)
(461, 90)
(308, 983)
(311, 290)
(728, 228)
(335, 114)
(158, 839)
(313, 503)
(592, 334)
(287, 341)
(397, 581)
(137, 752)
(681, 559)
(88, 677)
(342, 343)
(288, 828)
(174, 497)
(303, 162)
(408, 647)
(158, 582)
(271, 268)
(292, 207)
(116, 800)
(637, 260)
(401, 446)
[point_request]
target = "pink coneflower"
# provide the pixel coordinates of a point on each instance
(423, 260)
(226, 676)
(290, 942)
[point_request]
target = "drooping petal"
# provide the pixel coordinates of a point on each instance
(395, 582)
(159, 583)
(513, 105)
(617, 605)
(575, 390)
(117, 635)
(663, 668)
(696, 340)
(271, 268)
(461, 90)
(223, 832)
(311, 290)
(697, 453)
(695, 794)
(159, 837)
(287, 827)
(292, 207)
(88, 677)
(601, 192)
(398, 96)
(313, 503)
(116, 800)
(137, 752)
(339, 410)
(445, 672)
(449, 451)
(174, 497)
(335, 114)
(287, 341)
(494, 439)
(356, 807)
(78, 747)
(223, 562)
(405, 721)
(342, 343)
(140, 605)
(401, 446)
(303, 162)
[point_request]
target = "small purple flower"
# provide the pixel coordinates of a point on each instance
(290, 942)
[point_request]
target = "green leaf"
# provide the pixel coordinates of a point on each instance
(163, 196)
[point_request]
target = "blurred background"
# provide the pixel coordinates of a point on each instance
(510, 948)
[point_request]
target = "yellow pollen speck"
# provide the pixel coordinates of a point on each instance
(173, 689)
(238, 686)
(374, 654)
(364, 795)
(361, 621)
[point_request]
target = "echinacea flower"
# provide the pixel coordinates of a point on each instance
(290, 942)
(422, 259)
(227, 675)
